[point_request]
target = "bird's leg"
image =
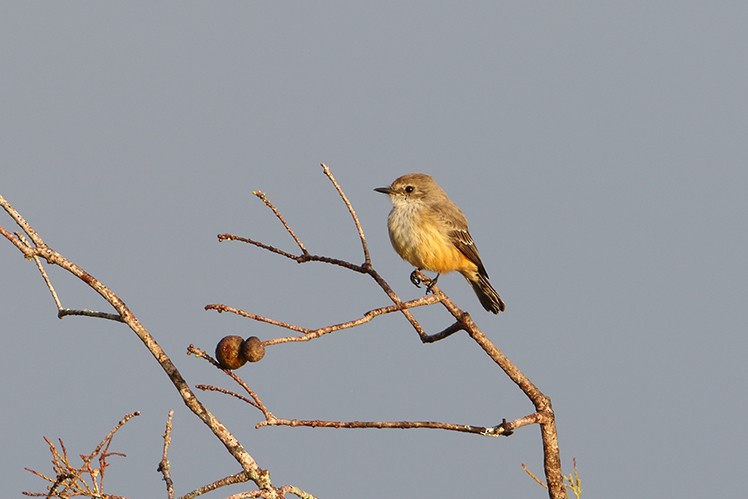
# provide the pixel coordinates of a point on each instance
(415, 279)
(431, 283)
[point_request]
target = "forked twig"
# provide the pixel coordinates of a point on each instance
(62, 311)
(256, 402)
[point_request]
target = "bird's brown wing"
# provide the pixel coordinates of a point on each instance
(453, 218)
(464, 242)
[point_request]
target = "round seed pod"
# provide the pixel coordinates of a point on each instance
(228, 352)
(252, 349)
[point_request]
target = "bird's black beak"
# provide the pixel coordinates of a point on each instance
(384, 190)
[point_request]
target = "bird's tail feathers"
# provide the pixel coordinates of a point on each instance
(488, 296)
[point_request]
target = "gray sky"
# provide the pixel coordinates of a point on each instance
(597, 148)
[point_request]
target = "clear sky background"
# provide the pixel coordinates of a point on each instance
(598, 149)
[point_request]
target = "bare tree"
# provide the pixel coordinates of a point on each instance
(232, 352)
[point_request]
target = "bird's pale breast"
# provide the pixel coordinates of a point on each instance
(423, 240)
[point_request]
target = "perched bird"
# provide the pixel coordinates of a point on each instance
(428, 230)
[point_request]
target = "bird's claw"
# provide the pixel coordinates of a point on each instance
(417, 281)
(431, 284)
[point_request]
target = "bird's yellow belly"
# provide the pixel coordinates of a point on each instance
(427, 248)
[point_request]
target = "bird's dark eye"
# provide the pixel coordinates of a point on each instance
(409, 189)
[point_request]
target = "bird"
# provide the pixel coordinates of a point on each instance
(431, 233)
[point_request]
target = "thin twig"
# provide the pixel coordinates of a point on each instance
(291, 489)
(575, 483)
(90, 313)
(367, 258)
(257, 402)
(397, 301)
(272, 249)
(532, 475)
(281, 491)
(164, 467)
(44, 276)
(226, 391)
(448, 331)
(193, 350)
(270, 205)
(503, 429)
(114, 430)
(303, 258)
(225, 308)
(22, 223)
(310, 334)
(223, 482)
(249, 494)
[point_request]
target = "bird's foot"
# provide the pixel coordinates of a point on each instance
(415, 279)
(432, 283)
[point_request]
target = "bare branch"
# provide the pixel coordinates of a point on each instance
(310, 334)
(22, 223)
(448, 331)
(272, 249)
(282, 491)
(225, 308)
(291, 489)
(367, 258)
(303, 258)
(232, 445)
(89, 313)
(44, 276)
(229, 480)
(505, 428)
(551, 454)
